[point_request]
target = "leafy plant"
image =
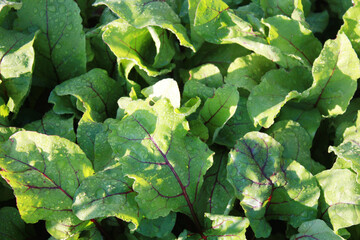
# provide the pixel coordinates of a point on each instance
(179, 119)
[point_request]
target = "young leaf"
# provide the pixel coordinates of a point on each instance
(128, 42)
(237, 126)
(335, 74)
(60, 46)
(246, 72)
(6, 6)
(44, 172)
(340, 201)
(95, 91)
(107, 193)
(144, 13)
(315, 229)
(202, 82)
(293, 39)
(268, 186)
(276, 88)
(218, 109)
(167, 88)
(166, 164)
(16, 67)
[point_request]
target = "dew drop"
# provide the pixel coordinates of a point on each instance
(69, 27)
(52, 8)
(100, 193)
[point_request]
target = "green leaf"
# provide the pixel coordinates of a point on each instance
(167, 164)
(16, 66)
(218, 109)
(128, 42)
(12, 226)
(335, 74)
(318, 21)
(351, 26)
(189, 107)
(107, 193)
(268, 186)
(216, 194)
(237, 126)
(144, 13)
(166, 88)
(275, 89)
(202, 82)
(315, 229)
(296, 142)
(60, 46)
(349, 151)
(96, 94)
(6, 191)
(340, 200)
(6, 6)
(293, 39)
(157, 228)
(216, 17)
(54, 124)
(282, 7)
(246, 72)
(339, 6)
(308, 119)
(44, 172)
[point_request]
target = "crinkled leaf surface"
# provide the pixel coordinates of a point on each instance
(95, 91)
(340, 200)
(107, 193)
(54, 124)
(335, 74)
(202, 82)
(315, 230)
(296, 142)
(16, 66)
(275, 89)
(143, 13)
(237, 126)
(246, 72)
(268, 186)
(167, 164)
(293, 39)
(218, 109)
(60, 47)
(12, 226)
(44, 172)
(167, 88)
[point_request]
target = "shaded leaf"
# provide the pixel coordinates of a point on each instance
(12, 226)
(159, 227)
(54, 124)
(6, 6)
